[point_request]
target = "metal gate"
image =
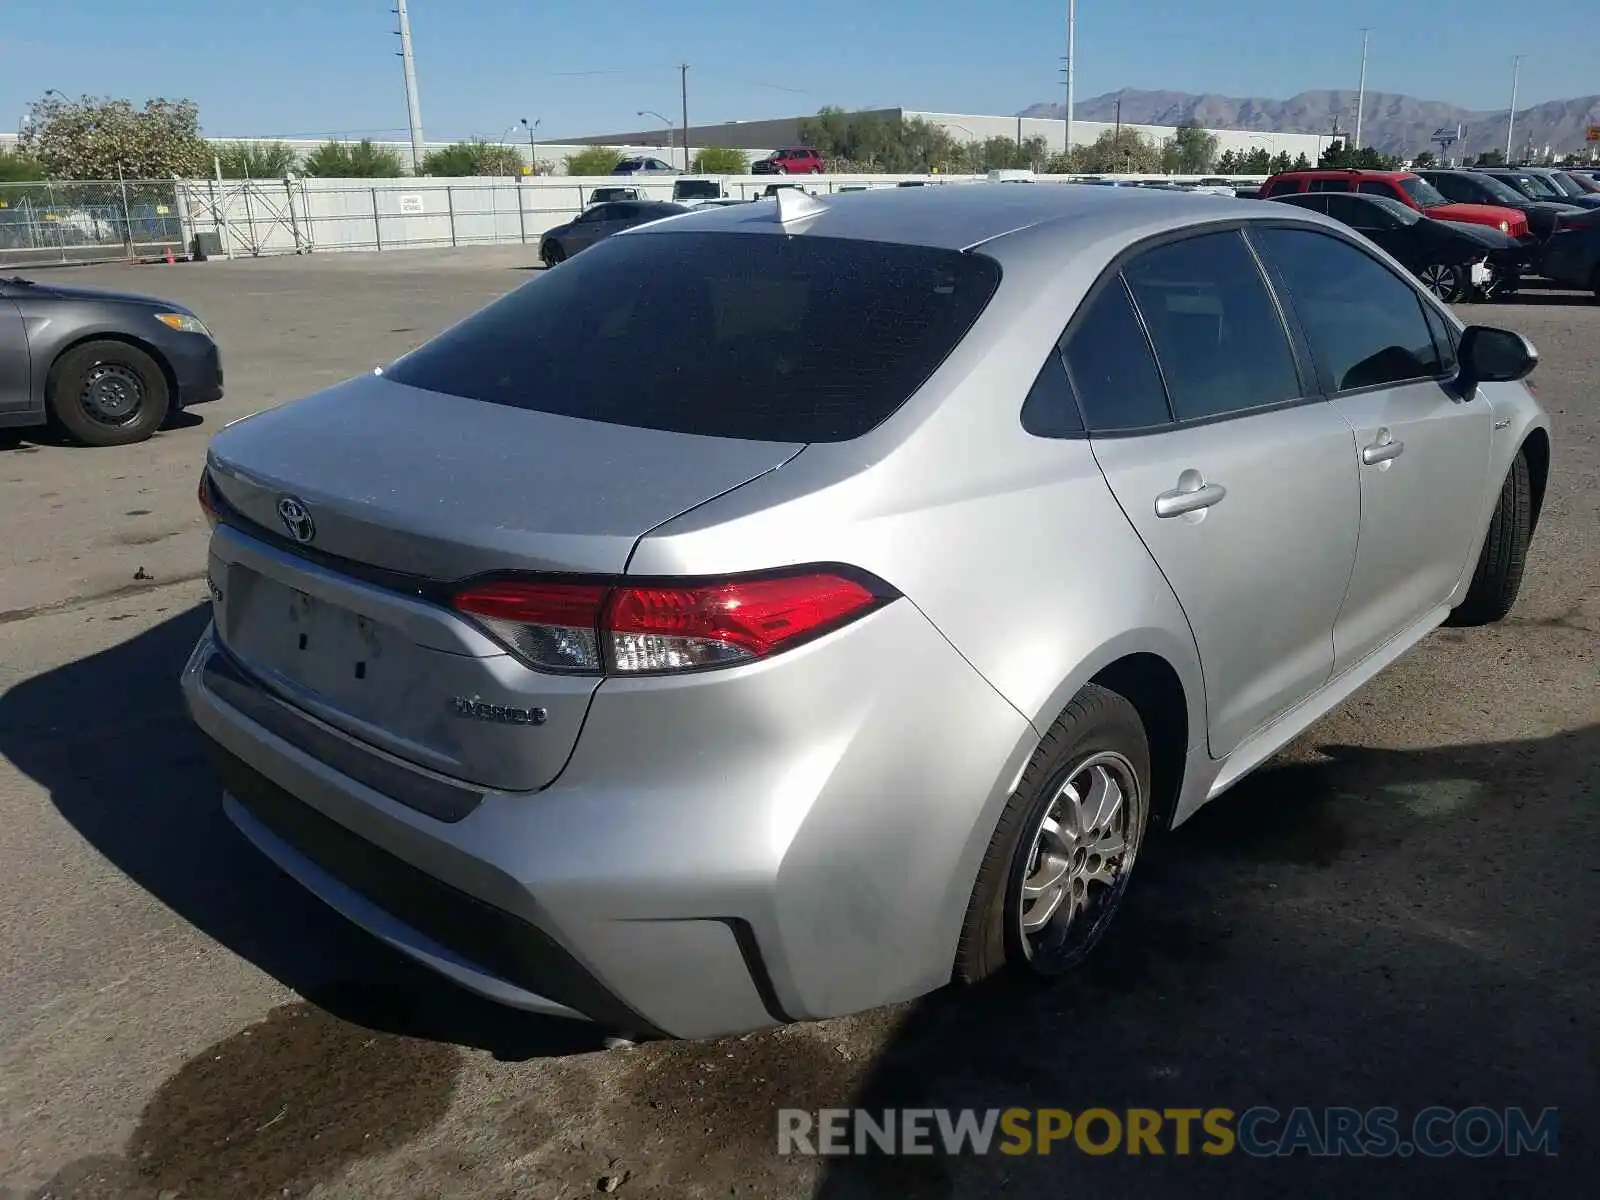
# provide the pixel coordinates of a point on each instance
(89, 221)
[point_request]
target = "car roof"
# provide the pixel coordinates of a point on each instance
(967, 215)
(1354, 172)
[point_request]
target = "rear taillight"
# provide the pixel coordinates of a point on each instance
(631, 628)
(208, 505)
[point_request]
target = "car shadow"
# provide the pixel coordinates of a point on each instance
(135, 784)
(1375, 928)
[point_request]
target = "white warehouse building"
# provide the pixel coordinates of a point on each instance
(785, 131)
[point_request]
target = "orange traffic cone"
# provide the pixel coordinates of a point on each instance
(170, 259)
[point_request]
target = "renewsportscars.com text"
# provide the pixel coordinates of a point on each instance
(1261, 1132)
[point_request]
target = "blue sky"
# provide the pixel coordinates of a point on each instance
(303, 68)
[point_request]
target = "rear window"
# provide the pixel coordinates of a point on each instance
(697, 189)
(761, 337)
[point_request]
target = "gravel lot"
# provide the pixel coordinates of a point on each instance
(1399, 910)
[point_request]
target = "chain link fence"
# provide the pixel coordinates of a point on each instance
(89, 221)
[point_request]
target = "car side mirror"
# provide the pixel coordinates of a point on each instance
(1490, 355)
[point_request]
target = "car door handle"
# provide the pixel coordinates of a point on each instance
(1180, 500)
(1382, 452)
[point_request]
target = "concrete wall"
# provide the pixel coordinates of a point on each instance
(970, 127)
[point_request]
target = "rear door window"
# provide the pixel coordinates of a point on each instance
(1219, 340)
(1112, 369)
(767, 338)
(1330, 185)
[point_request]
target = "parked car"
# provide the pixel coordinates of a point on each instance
(734, 688)
(1584, 179)
(609, 195)
(109, 368)
(1536, 186)
(1573, 259)
(600, 222)
(1456, 262)
(1565, 183)
(1403, 186)
(1476, 187)
(797, 160)
(697, 189)
(644, 166)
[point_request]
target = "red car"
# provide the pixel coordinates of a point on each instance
(800, 160)
(1402, 186)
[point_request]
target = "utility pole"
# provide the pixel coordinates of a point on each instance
(683, 82)
(1361, 90)
(1072, 39)
(1511, 116)
(413, 105)
(1116, 138)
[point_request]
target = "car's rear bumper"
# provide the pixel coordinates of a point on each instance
(723, 852)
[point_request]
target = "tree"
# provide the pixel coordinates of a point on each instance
(719, 160)
(353, 160)
(16, 167)
(1424, 160)
(255, 160)
(1339, 156)
(594, 160)
(98, 138)
(877, 143)
(1194, 149)
(1116, 152)
(472, 158)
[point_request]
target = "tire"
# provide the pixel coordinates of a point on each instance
(783, 170)
(1451, 284)
(552, 254)
(1098, 731)
(816, 170)
(1498, 576)
(107, 394)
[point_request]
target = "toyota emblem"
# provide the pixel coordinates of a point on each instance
(296, 519)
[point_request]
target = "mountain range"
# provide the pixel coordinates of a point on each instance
(1393, 123)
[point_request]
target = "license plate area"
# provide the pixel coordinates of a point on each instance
(1482, 274)
(339, 655)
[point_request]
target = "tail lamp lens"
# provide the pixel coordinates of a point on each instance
(208, 506)
(637, 629)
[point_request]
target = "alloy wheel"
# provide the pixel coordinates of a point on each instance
(1440, 280)
(1079, 858)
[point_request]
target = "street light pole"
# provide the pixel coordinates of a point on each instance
(413, 104)
(1361, 90)
(683, 83)
(533, 146)
(1511, 115)
(667, 121)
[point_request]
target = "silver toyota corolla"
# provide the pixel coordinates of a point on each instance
(786, 609)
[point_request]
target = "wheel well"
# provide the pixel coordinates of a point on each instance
(144, 347)
(1537, 451)
(1148, 682)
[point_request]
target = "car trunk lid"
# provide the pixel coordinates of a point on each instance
(346, 515)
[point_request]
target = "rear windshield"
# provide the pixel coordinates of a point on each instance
(755, 336)
(697, 189)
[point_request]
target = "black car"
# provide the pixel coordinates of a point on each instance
(1573, 257)
(1478, 187)
(1537, 185)
(107, 367)
(599, 222)
(1455, 261)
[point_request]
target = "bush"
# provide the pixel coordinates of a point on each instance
(718, 160)
(472, 158)
(361, 160)
(19, 168)
(594, 160)
(256, 160)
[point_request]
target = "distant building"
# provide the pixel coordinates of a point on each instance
(785, 131)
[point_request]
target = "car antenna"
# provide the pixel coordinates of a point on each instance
(795, 205)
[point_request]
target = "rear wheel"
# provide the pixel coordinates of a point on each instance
(1498, 576)
(1058, 864)
(108, 394)
(1452, 284)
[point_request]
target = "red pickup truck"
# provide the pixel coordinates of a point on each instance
(1403, 186)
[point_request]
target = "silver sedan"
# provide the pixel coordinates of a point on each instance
(784, 609)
